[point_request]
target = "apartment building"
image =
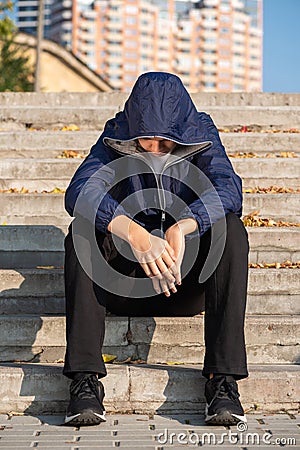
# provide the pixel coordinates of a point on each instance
(62, 23)
(26, 16)
(218, 48)
(119, 39)
(214, 45)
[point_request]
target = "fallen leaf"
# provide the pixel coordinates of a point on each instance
(108, 358)
(276, 265)
(263, 155)
(71, 127)
(292, 130)
(288, 155)
(253, 220)
(55, 191)
(174, 363)
(70, 154)
(271, 190)
(14, 191)
(257, 128)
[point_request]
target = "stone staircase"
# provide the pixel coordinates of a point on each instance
(31, 258)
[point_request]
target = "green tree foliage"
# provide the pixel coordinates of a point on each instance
(15, 72)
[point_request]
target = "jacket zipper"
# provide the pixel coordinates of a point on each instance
(160, 184)
(158, 179)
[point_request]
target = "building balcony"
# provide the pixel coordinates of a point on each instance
(183, 46)
(114, 25)
(114, 37)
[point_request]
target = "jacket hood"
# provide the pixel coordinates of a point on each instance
(159, 105)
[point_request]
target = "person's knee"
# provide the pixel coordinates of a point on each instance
(236, 232)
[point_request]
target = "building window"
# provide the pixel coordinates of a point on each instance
(210, 41)
(131, 32)
(130, 9)
(115, 66)
(224, 86)
(224, 8)
(131, 44)
(209, 84)
(130, 55)
(224, 75)
(224, 18)
(224, 63)
(224, 41)
(129, 78)
(131, 20)
(224, 52)
(129, 67)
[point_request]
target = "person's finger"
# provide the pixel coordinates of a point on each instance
(169, 262)
(155, 271)
(165, 271)
(146, 269)
(175, 270)
(164, 287)
(156, 285)
(172, 287)
(161, 265)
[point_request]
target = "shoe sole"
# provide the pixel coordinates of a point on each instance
(224, 418)
(86, 418)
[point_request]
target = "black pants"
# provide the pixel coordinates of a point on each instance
(225, 293)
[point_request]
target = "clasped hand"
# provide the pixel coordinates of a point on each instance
(161, 258)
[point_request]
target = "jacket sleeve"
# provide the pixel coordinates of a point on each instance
(215, 164)
(87, 194)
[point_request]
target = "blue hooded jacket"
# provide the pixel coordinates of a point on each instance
(160, 106)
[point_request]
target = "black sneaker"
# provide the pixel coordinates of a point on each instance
(86, 407)
(223, 406)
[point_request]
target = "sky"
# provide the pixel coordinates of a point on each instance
(281, 48)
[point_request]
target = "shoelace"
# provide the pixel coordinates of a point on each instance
(226, 389)
(86, 387)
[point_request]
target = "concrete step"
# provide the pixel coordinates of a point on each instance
(46, 174)
(50, 144)
(261, 143)
(41, 291)
(48, 209)
(94, 117)
(67, 99)
(270, 339)
(26, 246)
(41, 389)
(266, 172)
